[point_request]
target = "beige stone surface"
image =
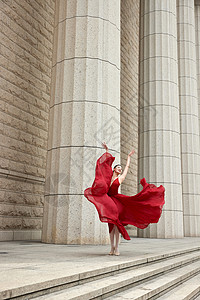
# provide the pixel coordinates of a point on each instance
(70, 79)
(38, 266)
(189, 116)
(26, 58)
(129, 95)
(84, 111)
(129, 86)
(197, 38)
(159, 128)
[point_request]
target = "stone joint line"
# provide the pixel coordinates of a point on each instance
(87, 57)
(190, 153)
(188, 173)
(88, 16)
(168, 130)
(191, 194)
(71, 146)
(167, 105)
(159, 56)
(186, 41)
(191, 96)
(186, 58)
(158, 80)
(163, 182)
(160, 155)
(158, 10)
(185, 23)
(177, 210)
(161, 33)
(83, 101)
(186, 76)
(185, 114)
(185, 6)
(18, 177)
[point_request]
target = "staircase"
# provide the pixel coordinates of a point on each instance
(173, 276)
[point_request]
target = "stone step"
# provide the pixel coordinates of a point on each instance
(155, 288)
(185, 291)
(105, 287)
(58, 282)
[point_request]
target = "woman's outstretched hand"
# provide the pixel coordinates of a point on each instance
(132, 152)
(105, 146)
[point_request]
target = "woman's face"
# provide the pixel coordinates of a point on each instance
(118, 170)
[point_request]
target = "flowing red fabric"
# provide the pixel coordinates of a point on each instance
(117, 209)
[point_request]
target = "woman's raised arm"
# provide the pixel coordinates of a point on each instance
(123, 176)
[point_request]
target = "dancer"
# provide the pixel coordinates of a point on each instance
(119, 210)
(113, 230)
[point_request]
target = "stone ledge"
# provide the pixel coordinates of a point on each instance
(23, 235)
(19, 176)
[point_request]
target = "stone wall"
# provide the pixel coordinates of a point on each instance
(129, 92)
(26, 48)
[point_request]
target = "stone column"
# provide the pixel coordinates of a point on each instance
(189, 117)
(84, 111)
(130, 21)
(159, 132)
(197, 27)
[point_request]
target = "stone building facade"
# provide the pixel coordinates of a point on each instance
(75, 73)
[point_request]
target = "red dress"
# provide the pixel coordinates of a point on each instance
(117, 209)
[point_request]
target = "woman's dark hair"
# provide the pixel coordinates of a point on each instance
(116, 166)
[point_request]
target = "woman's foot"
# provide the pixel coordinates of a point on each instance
(116, 252)
(112, 251)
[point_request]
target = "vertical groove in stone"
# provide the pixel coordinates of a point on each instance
(189, 117)
(85, 110)
(159, 132)
(197, 27)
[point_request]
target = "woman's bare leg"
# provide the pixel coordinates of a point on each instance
(116, 241)
(112, 243)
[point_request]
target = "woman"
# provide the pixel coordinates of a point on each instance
(119, 210)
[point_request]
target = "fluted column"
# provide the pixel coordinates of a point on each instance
(84, 110)
(197, 27)
(189, 117)
(159, 132)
